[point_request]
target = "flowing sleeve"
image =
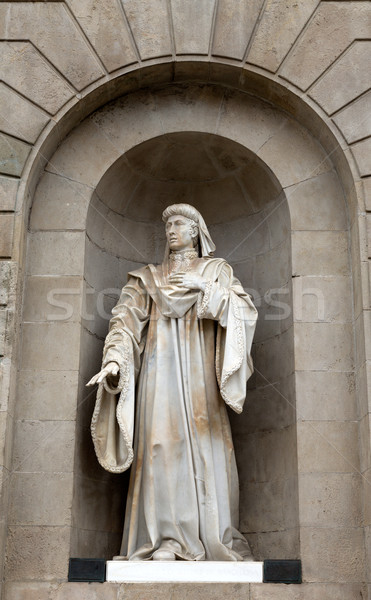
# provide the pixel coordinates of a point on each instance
(224, 300)
(112, 423)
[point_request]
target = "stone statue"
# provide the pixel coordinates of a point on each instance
(177, 351)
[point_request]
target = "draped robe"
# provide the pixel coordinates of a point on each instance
(183, 354)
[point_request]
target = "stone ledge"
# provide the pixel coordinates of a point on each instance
(42, 590)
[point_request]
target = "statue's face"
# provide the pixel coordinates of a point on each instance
(179, 233)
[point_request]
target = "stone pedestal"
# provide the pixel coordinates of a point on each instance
(182, 571)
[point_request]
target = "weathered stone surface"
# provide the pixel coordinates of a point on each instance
(325, 396)
(266, 276)
(169, 591)
(116, 235)
(6, 371)
(268, 467)
(330, 499)
(37, 389)
(50, 346)
(50, 27)
(359, 241)
(366, 497)
(60, 204)
(346, 79)
(104, 25)
(184, 591)
(248, 121)
(56, 253)
(367, 192)
(6, 437)
(358, 248)
(362, 153)
(334, 26)
(361, 287)
(317, 203)
(32, 120)
(196, 104)
(250, 232)
(359, 346)
(85, 542)
(302, 160)
(110, 131)
(41, 499)
(364, 440)
(235, 21)
(323, 346)
(8, 193)
(53, 299)
(185, 70)
(6, 235)
(13, 154)
(327, 447)
(21, 590)
(367, 326)
(306, 591)
(278, 498)
(97, 309)
(267, 408)
(362, 392)
(270, 544)
(100, 503)
(81, 163)
(3, 327)
(90, 363)
(332, 554)
(45, 446)
(149, 22)
(322, 299)
(86, 591)
(97, 278)
(36, 553)
(192, 23)
(368, 227)
(355, 120)
(269, 367)
(320, 253)
(25, 70)
(278, 219)
(269, 45)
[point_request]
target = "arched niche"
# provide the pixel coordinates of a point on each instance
(248, 218)
(297, 203)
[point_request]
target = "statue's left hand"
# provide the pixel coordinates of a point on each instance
(191, 281)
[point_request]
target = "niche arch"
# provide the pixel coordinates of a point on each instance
(248, 218)
(64, 242)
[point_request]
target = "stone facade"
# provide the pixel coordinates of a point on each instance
(260, 109)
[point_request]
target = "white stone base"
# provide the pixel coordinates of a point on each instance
(119, 571)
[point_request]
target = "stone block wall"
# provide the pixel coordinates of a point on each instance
(308, 62)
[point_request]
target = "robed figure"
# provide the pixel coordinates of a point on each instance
(178, 351)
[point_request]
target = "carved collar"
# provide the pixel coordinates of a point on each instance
(182, 260)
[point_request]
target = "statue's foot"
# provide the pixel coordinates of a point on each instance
(163, 554)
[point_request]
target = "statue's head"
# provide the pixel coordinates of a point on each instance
(185, 228)
(181, 227)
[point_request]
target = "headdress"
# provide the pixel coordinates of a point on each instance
(207, 246)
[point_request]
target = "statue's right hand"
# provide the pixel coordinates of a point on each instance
(111, 368)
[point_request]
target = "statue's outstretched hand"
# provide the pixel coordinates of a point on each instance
(111, 368)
